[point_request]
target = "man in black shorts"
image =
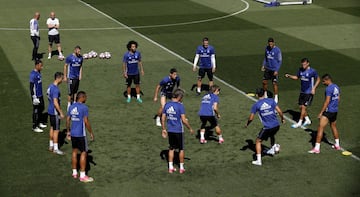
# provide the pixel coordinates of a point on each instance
(54, 35)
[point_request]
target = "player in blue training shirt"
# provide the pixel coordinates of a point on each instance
(73, 73)
(131, 64)
(77, 117)
(328, 113)
(205, 55)
(37, 97)
(271, 66)
(309, 82)
(267, 108)
(55, 112)
(174, 115)
(209, 112)
(166, 88)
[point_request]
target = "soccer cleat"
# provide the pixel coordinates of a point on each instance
(258, 163)
(128, 100)
(198, 93)
(203, 141)
(41, 125)
(271, 151)
(38, 130)
(86, 179)
(336, 147)
(139, 100)
(306, 123)
(58, 152)
(182, 171)
(75, 176)
(314, 151)
(171, 170)
(158, 122)
(296, 125)
(221, 140)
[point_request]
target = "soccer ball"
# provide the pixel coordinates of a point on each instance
(61, 58)
(101, 55)
(107, 55)
(85, 56)
(92, 54)
(277, 148)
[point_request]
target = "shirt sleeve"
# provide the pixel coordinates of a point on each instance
(253, 109)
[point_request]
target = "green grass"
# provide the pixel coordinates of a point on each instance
(127, 143)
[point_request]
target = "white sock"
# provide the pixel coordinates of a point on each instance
(265, 94)
(51, 143)
(56, 147)
(82, 174)
(138, 96)
(220, 136)
(300, 122)
(129, 96)
(337, 142)
(307, 118)
(60, 54)
(276, 98)
(198, 89)
(74, 171)
(49, 54)
(158, 118)
(258, 156)
(182, 166)
(171, 165)
(317, 146)
(202, 135)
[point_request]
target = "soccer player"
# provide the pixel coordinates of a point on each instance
(309, 82)
(328, 113)
(37, 97)
(174, 115)
(166, 87)
(267, 108)
(55, 112)
(53, 35)
(271, 65)
(209, 112)
(131, 64)
(73, 73)
(77, 117)
(205, 55)
(35, 34)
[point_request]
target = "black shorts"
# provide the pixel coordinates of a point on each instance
(168, 95)
(54, 38)
(55, 122)
(79, 143)
(264, 134)
(131, 78)
(208, 71)
(269, 75)
(73, 86)
(211, 119)
(305, 99)
(330, 115)
(176, 141)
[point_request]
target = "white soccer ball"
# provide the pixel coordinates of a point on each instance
(101, 55)
(277, 148)
(107, 55)
(85, 56)
(61, 57)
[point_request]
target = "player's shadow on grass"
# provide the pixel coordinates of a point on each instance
(62, 137)
(295, 115)
(40, 56)
(313, 135)
(251, 145)
(209, 135)
(89, 160)
(164, 155)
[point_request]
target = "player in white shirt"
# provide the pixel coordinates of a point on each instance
(54, 35)
(35, 34)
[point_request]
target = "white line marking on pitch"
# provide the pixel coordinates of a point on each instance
(185, 60)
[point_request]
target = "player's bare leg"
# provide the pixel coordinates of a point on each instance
(137, 88)
(74, 162)
(265, 87)
(49, 50)
(202, 136)
(258, 152)
(83, 177)
(59, 50)
(182, 158)
(336, 135)
(171, 161)
(162, 104)
(219, 133)
(320, 133)
(128, 90)
(51, 141)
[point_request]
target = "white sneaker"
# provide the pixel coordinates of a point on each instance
(38, 130)
(306, 123)
(59, 152)
(296, 125)
(41, 125)
(258, 163)
(271, 151)
(158, 123)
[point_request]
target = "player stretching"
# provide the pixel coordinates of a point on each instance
(206, 55)
(271, 66)
(166, 85)
(208, 110)
(73, 72)
(328, 113)
(131, 63)
(77, 117)
(309, 82)
(174, 114)
(266, 108)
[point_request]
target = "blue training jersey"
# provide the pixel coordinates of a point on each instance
(266, 108)
(132, 62)
(167, 84)
(334, 92)
(35, 79)
(77, 112)
(273, 58)
(53, 92)
(205, 56)
(308, 78)
(74, 64)
(173, 112)
(207, 104)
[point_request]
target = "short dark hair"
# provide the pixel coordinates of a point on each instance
(58, 75)
(77, 47)
(205, 39)
(214, 88)
(178, 93)
(270, 39)
(173, 70)
(37, 61)
(260, 92)
(80, 94)
(326, 76)
(304, 60)
(131, 42)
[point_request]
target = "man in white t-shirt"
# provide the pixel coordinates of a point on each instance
(53, 35)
